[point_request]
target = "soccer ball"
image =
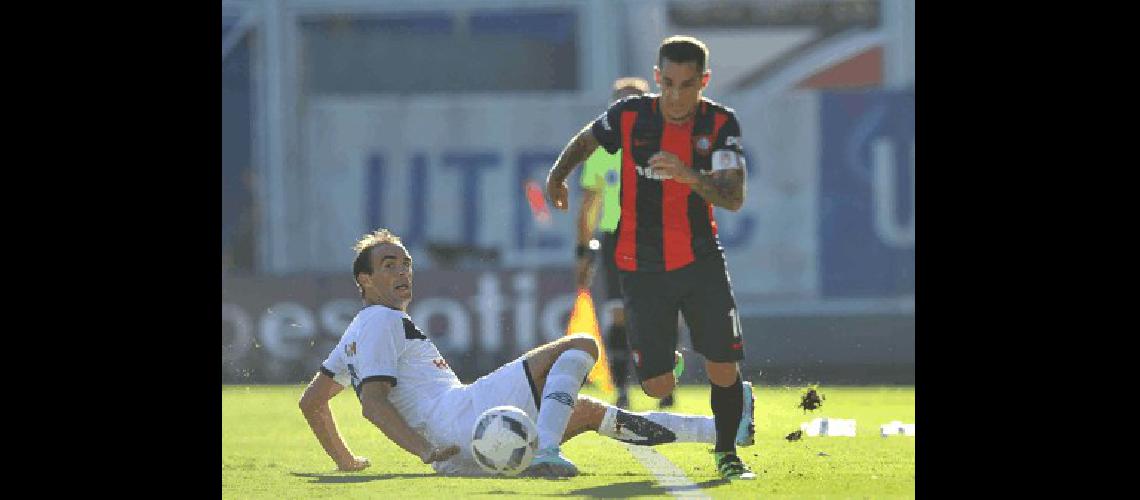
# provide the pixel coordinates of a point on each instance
(504, 440)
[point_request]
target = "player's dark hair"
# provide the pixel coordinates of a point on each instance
(363, 261)
(682, 49)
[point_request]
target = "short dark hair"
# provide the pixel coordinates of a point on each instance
(363, 261)
(683, 49)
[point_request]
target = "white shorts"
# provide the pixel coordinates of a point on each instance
(509, 385)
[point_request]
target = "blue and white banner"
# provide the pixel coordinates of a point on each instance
(867, 194)
(452, 171)
(828, 214)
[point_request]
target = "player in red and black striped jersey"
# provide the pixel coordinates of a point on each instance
(667, 225)
(680, 156)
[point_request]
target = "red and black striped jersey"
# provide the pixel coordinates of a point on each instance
(664, 224)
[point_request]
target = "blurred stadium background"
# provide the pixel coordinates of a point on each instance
(427, 117)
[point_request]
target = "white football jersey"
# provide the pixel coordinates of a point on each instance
(383, 344)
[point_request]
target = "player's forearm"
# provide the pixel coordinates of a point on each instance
(321, 421)
(383, 415)
(588, 216)
(723, 188)
(577, 151)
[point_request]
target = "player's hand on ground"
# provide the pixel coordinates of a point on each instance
(439, 453)
(669, 165)
(556, 191)
(357, 463)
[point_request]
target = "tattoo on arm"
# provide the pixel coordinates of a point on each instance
(723, 188)
(580, 148)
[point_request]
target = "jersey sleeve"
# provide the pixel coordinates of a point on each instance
(334, 367)
(607, 127)
(593, 171)
(727, 153)
(378, 349)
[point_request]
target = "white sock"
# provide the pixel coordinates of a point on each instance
(653, 428)
(559, 395)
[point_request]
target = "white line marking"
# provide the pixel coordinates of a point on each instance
(668, 475)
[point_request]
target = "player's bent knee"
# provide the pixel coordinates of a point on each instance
(658, 387)
(584, 342)
(722, 374)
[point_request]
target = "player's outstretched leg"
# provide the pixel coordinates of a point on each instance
(647, 428)
(559, 369)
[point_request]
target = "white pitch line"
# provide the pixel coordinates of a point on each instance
(668, 475)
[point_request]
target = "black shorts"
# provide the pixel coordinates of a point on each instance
(702, 293)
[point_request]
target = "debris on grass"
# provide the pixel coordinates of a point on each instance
(811, 400)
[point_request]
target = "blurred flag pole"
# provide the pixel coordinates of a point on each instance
(584, 320)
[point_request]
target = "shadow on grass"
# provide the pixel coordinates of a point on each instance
(350, 478)
(712, 482)
(642, 488)
(616, 490)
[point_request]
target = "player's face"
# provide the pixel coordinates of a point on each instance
(681, 86)
(391, 281)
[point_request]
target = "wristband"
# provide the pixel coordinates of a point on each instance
(582, 250)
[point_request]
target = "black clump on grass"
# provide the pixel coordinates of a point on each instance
(811, 399)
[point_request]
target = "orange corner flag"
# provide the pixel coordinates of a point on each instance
(584, 320)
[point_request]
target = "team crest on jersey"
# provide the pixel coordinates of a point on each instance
(350, 349)
(702, 144)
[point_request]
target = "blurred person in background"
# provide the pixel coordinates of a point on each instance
(680, 155)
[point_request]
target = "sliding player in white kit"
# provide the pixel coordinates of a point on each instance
(408, 391)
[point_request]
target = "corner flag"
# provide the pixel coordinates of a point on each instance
(584, 320)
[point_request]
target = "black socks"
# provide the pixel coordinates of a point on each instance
(727, 406)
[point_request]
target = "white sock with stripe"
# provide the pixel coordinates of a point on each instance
(559, 395)
(653, 428)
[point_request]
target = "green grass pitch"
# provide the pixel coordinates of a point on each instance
(268, 452)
